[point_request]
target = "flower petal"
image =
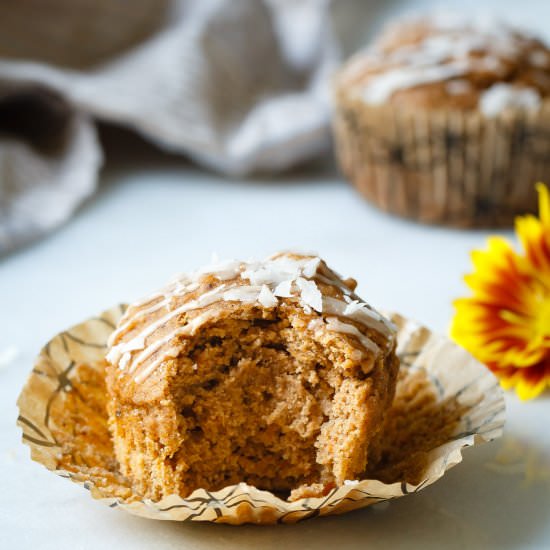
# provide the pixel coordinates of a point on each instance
(506, 321)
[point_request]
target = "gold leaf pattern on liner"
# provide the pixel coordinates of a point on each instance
(62, 406)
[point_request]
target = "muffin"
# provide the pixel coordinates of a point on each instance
(273, 373)
(446, 120)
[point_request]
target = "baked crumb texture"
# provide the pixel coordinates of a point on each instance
(274, 373)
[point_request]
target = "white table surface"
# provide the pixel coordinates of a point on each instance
(155, 216)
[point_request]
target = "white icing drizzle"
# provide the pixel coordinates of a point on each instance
(453, 47)
(188, 329)
(131, 316)
(155, 307)
(124, 360)
(359, 312)
(268, 281)
(382, 87)
(138, 342)
(334, 282)
(458, 87)
(245, 294)
(334, 324)
(500, 97)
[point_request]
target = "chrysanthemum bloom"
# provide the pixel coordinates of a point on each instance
(506, 322)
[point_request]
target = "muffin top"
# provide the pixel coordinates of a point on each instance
(447, 61)
(159, 327)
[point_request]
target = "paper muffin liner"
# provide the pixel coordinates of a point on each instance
(451, 167)
(454, 400)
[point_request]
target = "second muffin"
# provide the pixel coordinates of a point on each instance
(447, 120)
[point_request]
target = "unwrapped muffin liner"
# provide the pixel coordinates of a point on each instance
(451, 167)
(64, 423)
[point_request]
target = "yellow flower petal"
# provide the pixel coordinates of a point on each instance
(505, 323)
(544, 203)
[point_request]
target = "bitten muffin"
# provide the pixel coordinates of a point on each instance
(447, 120)
(273, 373)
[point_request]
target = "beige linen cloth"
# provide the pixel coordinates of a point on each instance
(238, 85)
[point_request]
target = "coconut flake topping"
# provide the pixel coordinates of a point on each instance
(265, 283)
(266, 297)
(284, 289)
(310, 294)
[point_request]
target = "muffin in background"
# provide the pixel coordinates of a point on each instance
(447, 120)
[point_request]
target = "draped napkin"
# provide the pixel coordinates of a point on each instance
(239, 86)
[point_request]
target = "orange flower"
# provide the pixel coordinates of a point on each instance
(506, 322)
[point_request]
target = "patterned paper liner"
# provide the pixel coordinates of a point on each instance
(448, 167)
(59, 409)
